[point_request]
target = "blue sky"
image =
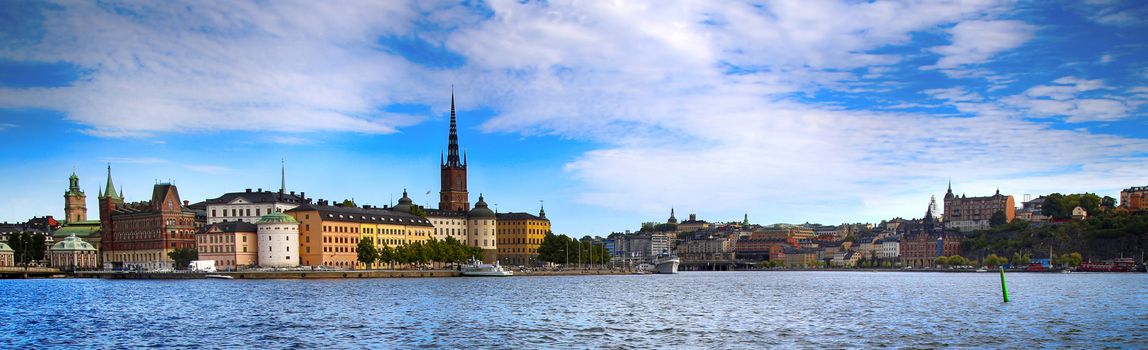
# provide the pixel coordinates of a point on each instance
(611, 113)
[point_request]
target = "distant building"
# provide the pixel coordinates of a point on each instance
(7, 256)
(1079, 213)
(75, 202)
(76, 217)
(72, 253)
(330, 234)
(973, 213)
(249, 206)
(140, 235)
(231, 244)
(693, 224)
(1033, 210)
(519, 237)
(278, 241)
(1133, 198)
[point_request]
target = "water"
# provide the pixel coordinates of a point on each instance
(701, 310)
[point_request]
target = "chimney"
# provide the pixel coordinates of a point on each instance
(248, 190)
(186, 202)
(292, 193)
(259, 190)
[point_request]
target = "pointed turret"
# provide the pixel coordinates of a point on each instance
(672, 220)
(110, 188)
(745, 221)
(541, 210)
(949, 193)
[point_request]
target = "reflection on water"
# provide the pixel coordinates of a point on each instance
(687, 310)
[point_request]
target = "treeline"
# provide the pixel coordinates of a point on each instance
(1107, 233)
(564, 249)
(27, 246)
(433, 251)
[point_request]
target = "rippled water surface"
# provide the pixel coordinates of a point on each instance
(688, 310)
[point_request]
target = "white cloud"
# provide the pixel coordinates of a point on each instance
(1066, 97)
(6, 126)
(977, 41)
(1106, 59)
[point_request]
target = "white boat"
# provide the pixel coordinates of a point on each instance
(222, 277)
(982, 270)
(667, 264)
(478, 269)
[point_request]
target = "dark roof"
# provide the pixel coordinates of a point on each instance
(520, 216)
(257, 197)
(367, 215)
(445, 213)
(231, 226)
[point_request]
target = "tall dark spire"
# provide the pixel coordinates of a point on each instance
(282, 176)
(452, 147)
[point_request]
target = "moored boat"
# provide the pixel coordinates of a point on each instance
(1115, 265)
(477, 269)
(666, 264)
(222, 277)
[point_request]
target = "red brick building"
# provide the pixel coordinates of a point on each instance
(140, 235)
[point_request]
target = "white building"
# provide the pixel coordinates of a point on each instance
(249, 206)
(278, 237)
(890, 248)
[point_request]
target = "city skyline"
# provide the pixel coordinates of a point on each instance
(610, 113)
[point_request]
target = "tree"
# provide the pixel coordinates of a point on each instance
(419, 211)
(999, 218)
(183, 257)
(386, 254)
(367, 253)
(1108, 203)
(1018, 260)
(666, 227)
(993, 260)
(1069, 259)
(347, 203)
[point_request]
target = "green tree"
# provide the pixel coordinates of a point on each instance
(993, 260)
(418, 210)
(367, 253)
(1057, 206)
(1018, 260)
(183, 257)
(943, 260)
(1069, 259)
(1108, 203)
(999, 218)
(386, 255)
(666, 227)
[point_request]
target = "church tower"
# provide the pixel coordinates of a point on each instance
(75, 202)
(453, 196)
(109, 201)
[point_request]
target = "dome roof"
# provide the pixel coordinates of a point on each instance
(72, 243)
(277, 218)
(481, 210)
(404, 203)
(5, 248)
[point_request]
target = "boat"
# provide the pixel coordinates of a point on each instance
(1114, 265)
(477, 269)
(982, 270)
(222, 277)
(666, 264)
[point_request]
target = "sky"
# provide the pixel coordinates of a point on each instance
(608, 113)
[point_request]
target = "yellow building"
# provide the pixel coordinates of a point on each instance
(520, 235)
(329, 235)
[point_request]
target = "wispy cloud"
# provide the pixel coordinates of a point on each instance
(977, 41)
(6, 126)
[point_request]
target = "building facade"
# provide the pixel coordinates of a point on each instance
(140, 235)
(329, 234)
(278, 241)
(250, 206)
(1133, 198)
(72, 253)
(973, 213)
(231, 244)
(519, 236)
(7, 256)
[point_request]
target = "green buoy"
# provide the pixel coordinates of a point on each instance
(1004, 288)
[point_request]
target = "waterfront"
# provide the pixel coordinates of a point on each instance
(688, 310)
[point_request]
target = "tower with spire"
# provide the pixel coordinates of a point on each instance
(672, 219)
(109, 201)
(75, 201)
(453, 196)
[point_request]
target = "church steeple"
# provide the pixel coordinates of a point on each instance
(282, 176)
(453, 196)
(672, 220)
(541, 210)
(110, 189)
(452, 140)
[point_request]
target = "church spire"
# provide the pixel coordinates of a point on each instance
(541, 210)
(282, 176)
(452, 147)
(110, 188)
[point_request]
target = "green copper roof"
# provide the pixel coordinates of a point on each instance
(82, 229)
(277, 218)
(5, 248)
(110, 191)
(72, 243)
